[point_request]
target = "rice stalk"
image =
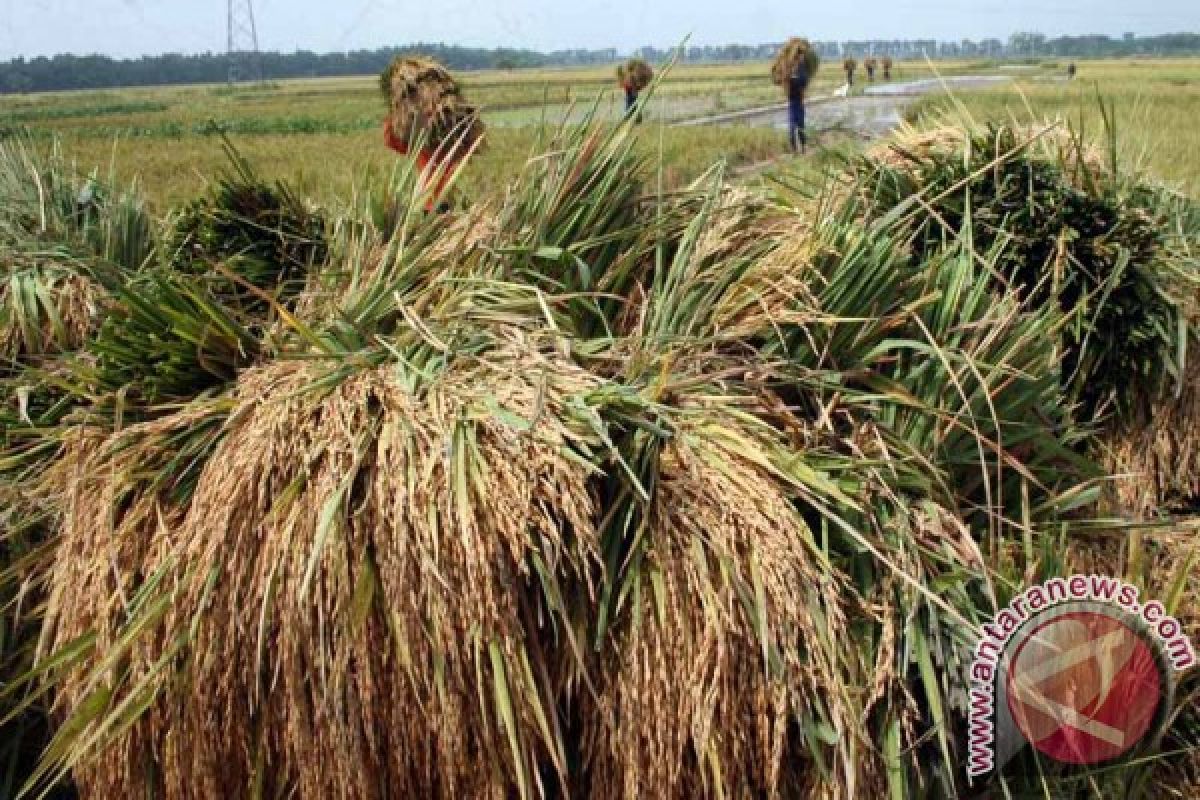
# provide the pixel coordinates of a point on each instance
(322, 566)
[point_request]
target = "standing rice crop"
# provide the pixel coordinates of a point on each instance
(44, 199)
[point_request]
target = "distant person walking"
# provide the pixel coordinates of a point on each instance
(1071, 71)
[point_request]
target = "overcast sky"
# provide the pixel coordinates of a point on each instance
(136, 27)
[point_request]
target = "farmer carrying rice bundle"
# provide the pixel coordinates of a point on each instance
(429, 120)
(793, 69)
(634, 76)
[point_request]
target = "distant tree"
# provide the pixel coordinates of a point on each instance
(1026, 44)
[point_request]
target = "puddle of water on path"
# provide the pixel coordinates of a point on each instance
(872, 114)
(933, 84)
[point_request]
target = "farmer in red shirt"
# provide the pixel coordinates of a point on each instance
(429, 165)
(429, 120)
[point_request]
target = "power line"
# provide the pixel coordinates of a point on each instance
(245, 63)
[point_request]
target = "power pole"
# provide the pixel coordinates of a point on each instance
(242, 47)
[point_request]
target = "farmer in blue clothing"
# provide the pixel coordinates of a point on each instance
(796, 87)
(631, 96)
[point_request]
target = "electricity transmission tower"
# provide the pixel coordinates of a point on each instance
(242, 49)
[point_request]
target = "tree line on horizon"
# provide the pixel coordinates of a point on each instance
(68, 71)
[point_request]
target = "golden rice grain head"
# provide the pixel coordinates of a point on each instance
(382, 559)
(687, 705)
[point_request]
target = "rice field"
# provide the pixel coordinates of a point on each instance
(166, 137)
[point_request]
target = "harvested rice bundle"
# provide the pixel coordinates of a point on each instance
(832, 298)
(635, 74)
(122, 496)
(263, 233)
(370, 576)
(789, 57)
(426, 109)
(1063, 232)
(716, 678)
(510, 508)
(725, 665)
(909, 148)
(1154, 454)
(47, 306)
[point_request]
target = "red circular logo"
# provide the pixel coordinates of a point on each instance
(1084, 688)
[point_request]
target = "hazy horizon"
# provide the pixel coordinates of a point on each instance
(132, 28)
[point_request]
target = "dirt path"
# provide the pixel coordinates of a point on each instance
(872, 114)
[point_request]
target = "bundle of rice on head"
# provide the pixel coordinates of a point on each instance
(635, 73)
(426, 110)
(794, 51)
